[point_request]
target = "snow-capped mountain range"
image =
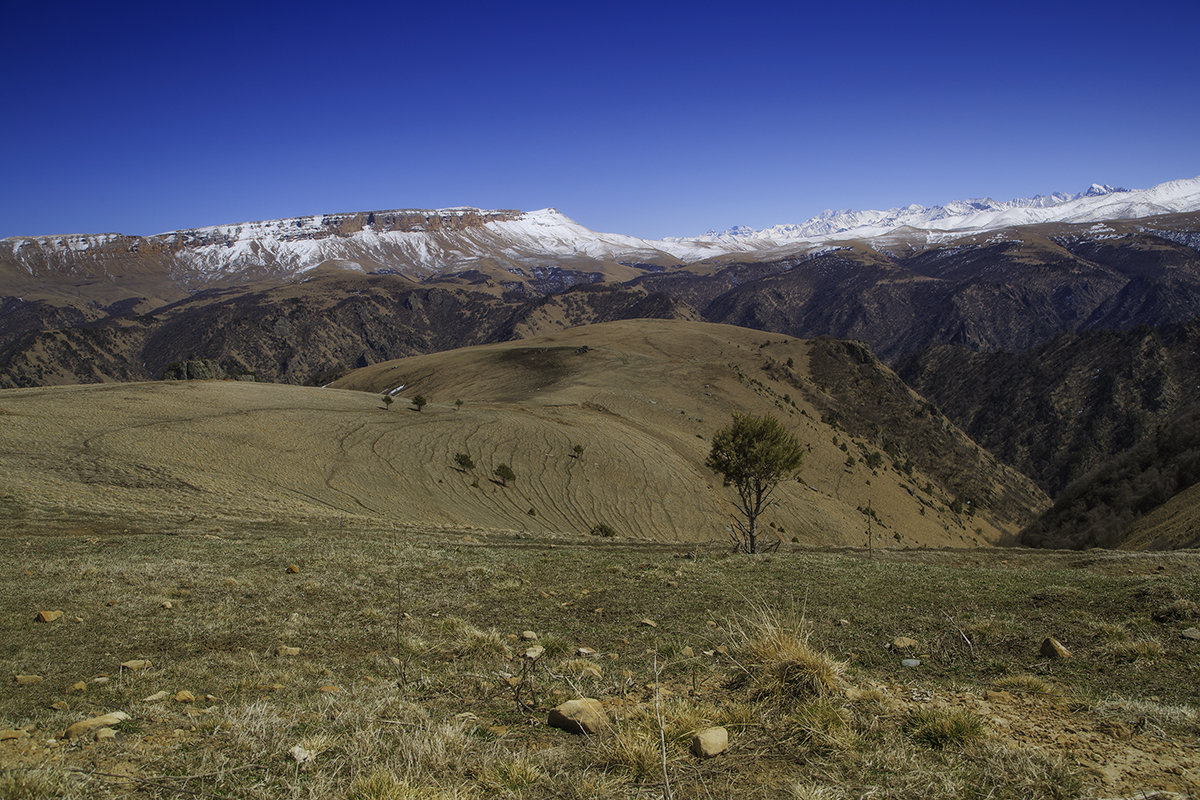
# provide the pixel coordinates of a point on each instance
(422, 243)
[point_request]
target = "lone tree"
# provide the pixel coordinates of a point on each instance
(387, 401)
(505, 474)
(419, 401)
(464, 462)
(753, 454)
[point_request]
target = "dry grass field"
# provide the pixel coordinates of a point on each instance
(163, 521)
(409, 678)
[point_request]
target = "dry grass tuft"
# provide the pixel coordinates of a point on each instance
(383, 785)
(1025, 683)
(632, 750)
(512, 776)
(941, 728)
(820, 725)
(776, 659)
(1135, 649)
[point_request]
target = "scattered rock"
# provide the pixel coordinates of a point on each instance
(329, 689)
(48, 616)
(1191, 633)
(586, 652)
(27, 680)
(8, 735)
(904, 643)
(529, 636)
(535, 652)
(687, 652)
(88, 725)
(78, 686)
(303, 757)
(167, 604)
(710, 742)
(284, 650)
(135, 664)
(722, 650)
(59, 705)
(583, 715)
(843, 623)
(79, 619)
(105, 734)
(156, 697)
(1053, 648)
(101, 679)
(649, 623)
(184, 697)
(910, 663)
(292, 570)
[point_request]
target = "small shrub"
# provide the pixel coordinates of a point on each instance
(505, 474)
(464, 462)
(940, 728)
(820, 725)
(603, 529)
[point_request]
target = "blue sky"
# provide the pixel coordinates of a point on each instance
(644, 118)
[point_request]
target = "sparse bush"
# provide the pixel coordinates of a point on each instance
(464, 462)
(577, 451)
(505, 474)
(603, 529)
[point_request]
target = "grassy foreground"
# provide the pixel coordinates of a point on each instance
(410, 679)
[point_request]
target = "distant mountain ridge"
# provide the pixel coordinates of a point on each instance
(1097, 203)
(421, 243)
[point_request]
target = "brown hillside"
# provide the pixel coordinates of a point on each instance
(642, 400)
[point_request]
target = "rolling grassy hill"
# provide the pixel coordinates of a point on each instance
(641, 397)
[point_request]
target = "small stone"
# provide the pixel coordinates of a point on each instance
(210, 698)
(101, 679)
(303, 757)
(710, 742)
(156, 697)
(136, 664)
(904, 643)
(271, 687)
(48, 616)
(167, 604)
(649, 623)
(583, 715)
(1053, 648)
(687, 652)
(1191, 633)
(78, 686)
(911, 663)
(529, 636)
(184, 696)
(329, 689)
(585, 652)
(293, 569)
(722, 650)
(79, 619)
(105, 734)
(535, 652)
(88, 725)
(60, 705)
(843, 623)
(283, 650)
(27, 680)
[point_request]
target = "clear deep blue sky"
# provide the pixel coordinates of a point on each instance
(645, 118)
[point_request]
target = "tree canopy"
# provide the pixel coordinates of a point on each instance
(754, 454)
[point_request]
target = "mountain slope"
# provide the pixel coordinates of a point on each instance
(1128, 500)
(1058, 410)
